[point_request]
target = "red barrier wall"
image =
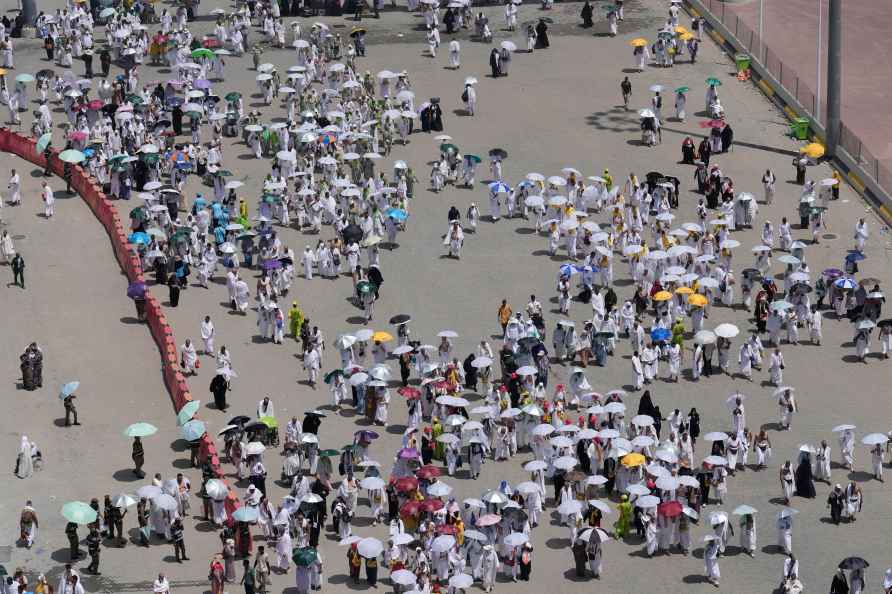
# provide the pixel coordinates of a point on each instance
(91, 192)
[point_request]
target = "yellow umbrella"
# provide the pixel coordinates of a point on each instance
(684, 291)
(662, 296)
(3, 71)
(687, 36)
(681, 30)
(632, 460)
(382, 336)
(813, 150)
(639, 42)
(697, 300)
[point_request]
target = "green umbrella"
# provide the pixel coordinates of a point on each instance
(682, 90)
(78, 512)
(150, 158)
(24, 78)
(134, 99)
(44, 141)
(270, 422)
(272, 199)
(247, 235)
(72, 156)
(140, 429)
(202, 52)
(713, 82)
(329, 377)
(328, 453)
(138, 213)
(107, 13)
(233, 96)
(448, 147)
(473, 158)
(304, 557)
(188, 411)
(364, 287)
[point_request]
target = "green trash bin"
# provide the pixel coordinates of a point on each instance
(799, 128)
(743, 62)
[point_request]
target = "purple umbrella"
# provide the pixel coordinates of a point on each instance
(409, 454)
(272, 265)
(202, 83)
(176, 82)
(365, 435)
(136, 290)
(833, 272)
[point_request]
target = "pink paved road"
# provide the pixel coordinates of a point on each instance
(790, 31)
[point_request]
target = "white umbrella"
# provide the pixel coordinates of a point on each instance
(448, 334)
(527, 487)
(370, 547)
(254, 448)
(667, 483)
(535, 465)
(715, 436)
(646, 501)
(527, 370)
(596, 480)
(637, 489)
(715, 461)
(873, 439)
(443, 543)
(543, 430)
(516, 539)
(461, 581)
(844, 427)
(448, 438)
(727, 330)
(403, 577)
(561, 442)
(476, 535)
(642, 420)
(595, 533)
(744, 510)
(705, 337)
(565, 462)
(372, 483)
(165, 502)
(439, 489)
(687, 480)
(495, 497)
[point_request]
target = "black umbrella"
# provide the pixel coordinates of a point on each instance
(256, 426)
(110, 108)
(400, 319)
(514, 513)
(528, 342)
(752, 274)
(352, 233)
(239, 420)
(884, 323)
(801, 288)
(286, 260)
(46, 73)
(853, 563)
(499, 153)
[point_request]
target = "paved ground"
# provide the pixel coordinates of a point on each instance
(790, 31)
(557, 108)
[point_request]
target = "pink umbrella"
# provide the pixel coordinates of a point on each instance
(489, 520)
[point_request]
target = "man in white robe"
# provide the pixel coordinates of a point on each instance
(207, 335)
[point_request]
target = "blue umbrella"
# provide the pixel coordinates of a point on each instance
(568, 270)
(139, 237)
(397, 213)
(175, 101)
(660, 334)
(499, 188)
(245, 514)
(200, 203)
(136, 290)
(193, 430)
(845, 283)
(68, 389)
(855, 256)
(272, 265)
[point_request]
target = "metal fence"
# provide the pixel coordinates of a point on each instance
(798, 88)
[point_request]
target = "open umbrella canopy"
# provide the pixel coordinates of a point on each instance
(813, 150)
(369, 547)
(853, 563)
(140, 429)
(78, 512)
(69, 389)
(246, 514)
(71, 156)
(304, 557)
(188, 411)
(193, 430)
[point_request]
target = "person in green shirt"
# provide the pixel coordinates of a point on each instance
(295, 320)
(248, 577)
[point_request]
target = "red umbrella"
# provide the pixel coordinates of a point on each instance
(432, 505)
(406, 484)
(428, 472)
(211, 43)
(670, 509)
(409, 392)
(410, 508)
(95, 104)
(446, 529)
(712, 124)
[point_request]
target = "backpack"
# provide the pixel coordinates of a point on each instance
(464, 96)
